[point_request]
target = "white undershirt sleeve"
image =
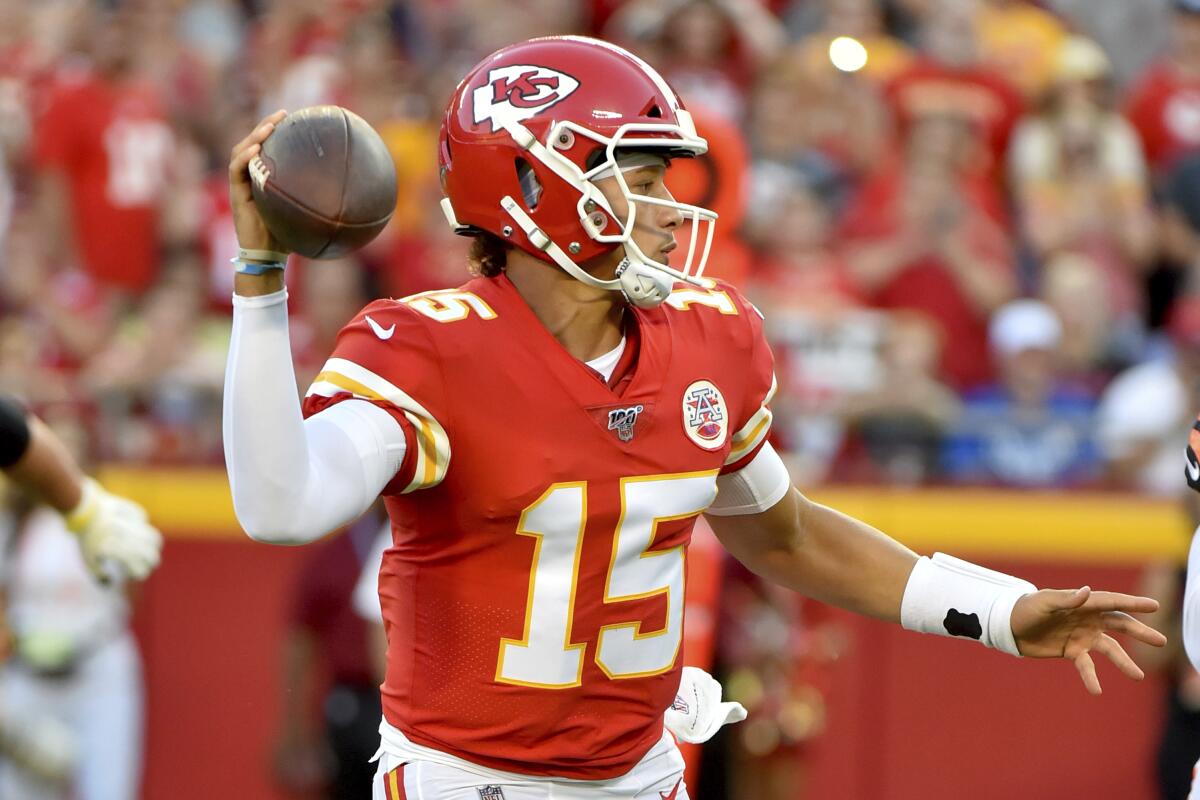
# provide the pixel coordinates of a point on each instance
(295, 480)
(754, 488)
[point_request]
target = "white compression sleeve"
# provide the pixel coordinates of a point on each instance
(754, 488)
(1191, 603)
(294, 480)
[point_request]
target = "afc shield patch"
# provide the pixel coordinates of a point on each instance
(705, 416)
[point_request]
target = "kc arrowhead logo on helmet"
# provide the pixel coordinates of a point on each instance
(518, 92)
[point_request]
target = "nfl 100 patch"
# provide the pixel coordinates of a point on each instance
(622, 421)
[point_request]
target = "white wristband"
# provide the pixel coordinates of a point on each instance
(952, 597)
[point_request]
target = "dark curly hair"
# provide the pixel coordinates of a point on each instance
(489, 254)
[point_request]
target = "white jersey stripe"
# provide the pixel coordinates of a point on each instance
(433, 444)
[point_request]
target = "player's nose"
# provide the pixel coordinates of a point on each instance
(670, 217)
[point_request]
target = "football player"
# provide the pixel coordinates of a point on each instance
(70, 698)
(115, 539)
(546, 435)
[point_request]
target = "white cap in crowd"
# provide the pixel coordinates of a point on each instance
(1024, 325)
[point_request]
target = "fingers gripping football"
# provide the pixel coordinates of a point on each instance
(252, 232)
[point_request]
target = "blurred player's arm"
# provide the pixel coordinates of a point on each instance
(112, 530)
(36, 460)
(786, 538)
(293, 480)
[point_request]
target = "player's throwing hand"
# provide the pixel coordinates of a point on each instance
(1072, 623)
(252, 232)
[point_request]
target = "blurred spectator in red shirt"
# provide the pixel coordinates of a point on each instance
(1164, 104)
(71, 316)
(103, 149)
(951, 79)
(920, 237)
(800, 267)
(825, 342)
(1080, 180)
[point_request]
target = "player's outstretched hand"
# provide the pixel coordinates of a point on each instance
(1073, 623)
(252, 233)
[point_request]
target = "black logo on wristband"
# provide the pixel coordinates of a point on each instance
(960, 624)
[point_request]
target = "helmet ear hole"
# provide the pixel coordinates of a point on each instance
(654, 112)
(531, 187)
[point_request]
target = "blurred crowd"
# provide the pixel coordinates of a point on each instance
(972, 226)
(971, 223)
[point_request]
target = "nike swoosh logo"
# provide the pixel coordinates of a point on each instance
(675, 791)
(1193, 470)
(380, 331)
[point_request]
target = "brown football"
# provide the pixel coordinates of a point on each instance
(324, 182)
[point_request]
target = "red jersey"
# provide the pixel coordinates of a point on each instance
(1164, 106)
(112, 145)
(533, 597)
(979, 94)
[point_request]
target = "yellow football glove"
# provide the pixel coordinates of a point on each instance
(114, 535)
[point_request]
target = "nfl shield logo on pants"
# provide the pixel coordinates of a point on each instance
(491, 793)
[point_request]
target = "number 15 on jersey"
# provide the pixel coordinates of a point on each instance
(546, 656)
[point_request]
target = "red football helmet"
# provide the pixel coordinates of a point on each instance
(530, 128)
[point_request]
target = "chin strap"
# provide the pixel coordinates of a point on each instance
(641, 284)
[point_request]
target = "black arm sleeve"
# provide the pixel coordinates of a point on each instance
(14, 432)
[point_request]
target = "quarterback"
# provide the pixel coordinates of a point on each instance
(545, 437)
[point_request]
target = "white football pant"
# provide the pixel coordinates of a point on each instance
(658, 776)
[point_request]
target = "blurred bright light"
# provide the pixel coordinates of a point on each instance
(847, 54)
